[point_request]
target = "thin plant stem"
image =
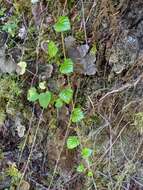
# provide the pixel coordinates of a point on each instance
(59, 156)
(84, 22)
(31, 151)
(63, 44)
(30, 124)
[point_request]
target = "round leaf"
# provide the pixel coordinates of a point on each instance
(44, 99)
(90, 174)
(52, 49)
(66, 67)
(66, 95)
(63, 24)
(86, 152)
(32, 95)
(72, 142)
(77, 115)
(80, 168)
(59, 103)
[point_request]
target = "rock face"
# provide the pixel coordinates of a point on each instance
(7, 65)
(129, 44)
(124, 52)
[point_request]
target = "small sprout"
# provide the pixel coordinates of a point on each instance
(32, 95)
(80, 168)
(44, 99)
(93, 50)
(66, 67)
(21, 67)
(66, 95)
(62, 24)
(90, 174)
(72, 142)
(52, 49)
(77, 115)
(12, 171)
(86, 152)
(42, 85)
(59, 103)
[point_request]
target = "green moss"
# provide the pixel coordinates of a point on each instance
(1, 155)
(80, 36)
(9, 93)
(92, 120)
(2, 116)
(14, 173)
(138, 121)
(9, 87)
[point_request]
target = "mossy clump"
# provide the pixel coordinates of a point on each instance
(2, 116)
(9, 93)
(138, 121)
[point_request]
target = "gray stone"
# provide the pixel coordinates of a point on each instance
(124, 52)
(6, 65)
(84, 62)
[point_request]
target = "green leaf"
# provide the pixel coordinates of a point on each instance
(62, 24)
(66, 95)
(22, 67)
(77, 115)
(32, 95)
(86, 152)
(52, 49)
(80, 168)
(90, 174)
(59, 103)
(72, 142)
(66, 67)
(44, 99)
